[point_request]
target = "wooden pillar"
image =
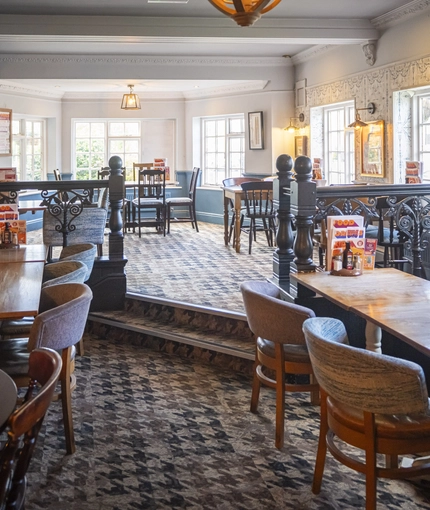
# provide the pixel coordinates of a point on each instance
(303, 197)
(108, 280)
(283, 255)
(116, 201)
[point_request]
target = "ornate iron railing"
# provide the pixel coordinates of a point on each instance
(301, 203)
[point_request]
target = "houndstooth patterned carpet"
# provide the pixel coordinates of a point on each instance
(189, 266)
(155, 431)
(195, 267)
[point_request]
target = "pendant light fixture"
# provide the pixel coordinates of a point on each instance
(244, 12)
(130, 101)
(358, 123)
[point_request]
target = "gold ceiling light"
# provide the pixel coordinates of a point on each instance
(358, 123)
(244, 12)
(130, 101)
(291, 128)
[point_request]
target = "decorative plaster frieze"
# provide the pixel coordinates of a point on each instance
(146, 60)
(398, 15)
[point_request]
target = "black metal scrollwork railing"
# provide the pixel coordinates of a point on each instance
(407, 204)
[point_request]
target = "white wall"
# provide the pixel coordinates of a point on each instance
(341, 74)
(38, 107)
(405, 41)
(154, 109)
(277, 107)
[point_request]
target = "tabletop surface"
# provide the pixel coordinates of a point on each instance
(20, 285)
(8, 394)
(25, 253)
(394, 300)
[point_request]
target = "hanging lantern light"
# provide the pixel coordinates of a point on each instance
(130, 101)
(244, 12)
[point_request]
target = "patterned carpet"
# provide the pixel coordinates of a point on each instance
(155, 431)
(189, 266)
(195, 267)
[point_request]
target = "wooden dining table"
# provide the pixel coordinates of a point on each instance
(236, 195)
(8, 396)
(20, 284)
(24, 253)
(388, 299)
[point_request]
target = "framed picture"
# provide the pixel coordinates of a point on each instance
(5, 132)
(372, 149)
(301, 146)
(255, 126)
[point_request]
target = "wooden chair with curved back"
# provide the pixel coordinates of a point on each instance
(151, 198)
(23, 426)
(372, 402)
(60, 325)
(236, 181)
(260, 210)
(189, 202)
(280, 347)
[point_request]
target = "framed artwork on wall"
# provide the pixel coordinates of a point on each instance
(372, 149)
(255, 126)
(5, 132)
(301, 146)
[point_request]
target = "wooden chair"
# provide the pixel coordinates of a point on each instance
(57, 175)
(236, 181)
(390, 239)
(280, 347)
(138, 167)
(44, 367)
(260, 210)
(59, 326)
(151, 196)
(376, 403)
(189, 202)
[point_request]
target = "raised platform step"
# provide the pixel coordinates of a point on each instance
(214, 335)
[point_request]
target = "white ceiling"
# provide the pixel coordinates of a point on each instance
(194, 29)
(364, 9)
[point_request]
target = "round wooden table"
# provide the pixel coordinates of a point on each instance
(8, 395)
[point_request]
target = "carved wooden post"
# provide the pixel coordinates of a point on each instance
(116, 200)
(283, 255)
(108, 280)
(303, 196)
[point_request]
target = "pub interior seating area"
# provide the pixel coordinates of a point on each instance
(214, 255)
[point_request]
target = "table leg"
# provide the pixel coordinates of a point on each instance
(226, 205)
(373, 337)
(238, 212)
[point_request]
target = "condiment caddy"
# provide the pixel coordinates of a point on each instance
(8, 239)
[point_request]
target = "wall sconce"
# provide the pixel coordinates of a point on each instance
(358, 123)
(292, 128)
(130, 101)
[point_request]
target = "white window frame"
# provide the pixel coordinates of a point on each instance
(346, 143)
(417, 131)
(107, 139)
(23, 139)
(227, 171)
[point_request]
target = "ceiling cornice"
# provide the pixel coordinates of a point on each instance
(30, 92)
(400, 14)
(311, 53)
(146, 60)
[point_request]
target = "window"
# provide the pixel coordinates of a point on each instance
(223, 142)
(96, 141)
(28, 151)
(339, 143)
(423, 138)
